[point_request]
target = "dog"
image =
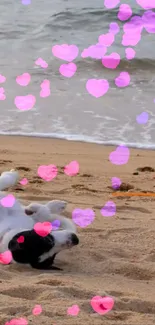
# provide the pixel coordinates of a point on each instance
(16, 221)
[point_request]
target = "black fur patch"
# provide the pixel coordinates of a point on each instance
(33, 246)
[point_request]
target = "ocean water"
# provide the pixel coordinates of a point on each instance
(28, 32)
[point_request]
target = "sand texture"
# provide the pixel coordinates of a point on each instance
(116, 255)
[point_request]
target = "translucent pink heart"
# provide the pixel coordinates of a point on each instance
(109, 209)
(96, 51)
(17, 321)
(83, 218)
(123, 80)
(125, 12)
(24, 79)
(45, 84)
(6, 257)
(148, 20)
(43, 229)
(111, 61)
(130, 53)
(102, 305)
(47, 172)
(97, 87)
(68, 70)
(72, 168)
(45, 92)
(25, 103)
(37, 310)
(116, 182)
(106, 39)
(40, 62)
(65, 52)
(120, 156)
(146, 4)
(20, 240)
(135, 25)
(8, 201)
(73, 310)
(2, 90)
(142, 118)
(114, 28)
(131, 39)
(2, 96)
(2, 79)
(24, 181)
(110, 4)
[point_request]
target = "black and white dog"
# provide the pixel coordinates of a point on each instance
(19, 220)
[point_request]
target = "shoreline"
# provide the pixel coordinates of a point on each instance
(84, 139)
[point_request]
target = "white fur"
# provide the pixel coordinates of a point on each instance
(14, 219)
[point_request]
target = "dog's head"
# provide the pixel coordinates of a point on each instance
(34, 249)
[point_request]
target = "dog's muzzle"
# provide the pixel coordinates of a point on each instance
(72, 241)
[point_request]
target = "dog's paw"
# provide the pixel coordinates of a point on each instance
(56, 206)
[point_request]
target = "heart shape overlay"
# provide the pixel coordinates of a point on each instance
(37, 310)
(20, 240)
(47, 172)
(24, 103)
(120, 156)
(102, 305)
(40, 62)
(97, 87)
(6, 257)
(83, 218)
(43, 228)
(17, 321)
(68, 70)
(109, 209)
(2, 94)
(8, 201)
(24, 181)
(65, 52)
(24, 79)
(72, 168)
(73, 310)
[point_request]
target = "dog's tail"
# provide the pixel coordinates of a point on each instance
(8, 179)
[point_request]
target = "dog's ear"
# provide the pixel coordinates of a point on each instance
(29, 212)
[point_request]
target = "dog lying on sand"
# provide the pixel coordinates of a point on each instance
(16, 221)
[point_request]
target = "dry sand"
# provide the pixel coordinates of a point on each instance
(116, 255)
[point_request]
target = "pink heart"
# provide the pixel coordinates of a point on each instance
(146, 4)
(130, 53)
(43, 229)
(6, 257)
(37, 310)
(45, 84)
(110, 4)
(96, 51)
(41, 63)
(65, 52)
(97, 87)
(47, 172)
(73, 310)
(8, 201)
(24, 181)
(2, 96)
(120, 156)
(24, 103)
(125, 12)
(102, 305)
(17, 321)
(123, 80)
(106, 39)
(111, 61)
(24, 79)
(2, 79)
(72, 168)
(2, 90)
(45, 92)
(131, 39)
(20, 239)
(68, 70)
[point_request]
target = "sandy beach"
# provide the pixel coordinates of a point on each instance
(116, 255)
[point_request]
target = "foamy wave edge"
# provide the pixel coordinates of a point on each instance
(80, 138)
